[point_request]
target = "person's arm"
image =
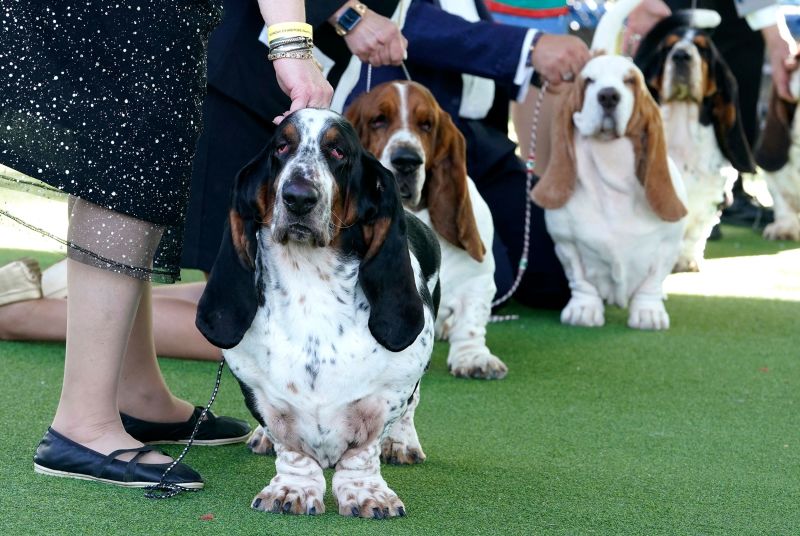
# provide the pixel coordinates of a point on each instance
(441, 40)
(375, 39)
(782, 52)
(300, 79)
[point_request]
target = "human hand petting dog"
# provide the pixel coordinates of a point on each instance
(559, 58)
(302, 81)
(782, 52)
(375, 39)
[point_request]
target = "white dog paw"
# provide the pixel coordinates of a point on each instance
(475, 362)
(402, 450)
(649, 315)
(588, 312)
(686, 264)
(782, 230)
(259, 443)
(288, 494)
(370, 498)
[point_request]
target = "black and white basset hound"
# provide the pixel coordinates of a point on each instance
(324, 298)
(699, 102)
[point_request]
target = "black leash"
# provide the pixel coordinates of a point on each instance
(166, 490)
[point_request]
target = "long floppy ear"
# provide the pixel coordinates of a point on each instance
(646, 131)
(447, 192)
(772, 152)
(557, 183)
(723, 107)
(355, 114)
(230, 299)
(387, 279)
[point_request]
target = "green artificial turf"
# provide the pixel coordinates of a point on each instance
(594, 431)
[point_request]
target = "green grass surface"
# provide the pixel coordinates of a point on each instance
(594, 431)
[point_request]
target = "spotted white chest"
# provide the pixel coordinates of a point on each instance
(318, 378)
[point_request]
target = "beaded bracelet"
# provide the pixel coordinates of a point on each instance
(294, 54)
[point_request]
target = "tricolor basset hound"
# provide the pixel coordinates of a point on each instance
(402, 124)
(324, 299)
(778, 154)
(699, 104)
(614, 204)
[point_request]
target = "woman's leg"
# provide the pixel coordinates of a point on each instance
(173, 322)
(100, 316)
(101, 313)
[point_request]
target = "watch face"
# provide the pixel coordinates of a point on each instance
(349, 19)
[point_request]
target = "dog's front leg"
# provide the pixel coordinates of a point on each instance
(469, 357)
(297, 488)
(585, 307)
(360, 489)
(646, 310)
(401, 446)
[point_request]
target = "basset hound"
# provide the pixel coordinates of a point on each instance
(403, 125)
(614, 203)
(324, 299)
(778, 154)
(699, 104)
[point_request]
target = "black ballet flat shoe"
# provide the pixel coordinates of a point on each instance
(213, 430)
(57, 455)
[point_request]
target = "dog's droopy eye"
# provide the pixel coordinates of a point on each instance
(336, 153)
(282, 148)
(425, 126)
(588, 81)
(378, 122)
(630, 80)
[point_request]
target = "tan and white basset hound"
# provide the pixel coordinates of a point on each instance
(402, 124)
(615, 204)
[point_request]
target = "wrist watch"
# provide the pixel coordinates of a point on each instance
(348, 20)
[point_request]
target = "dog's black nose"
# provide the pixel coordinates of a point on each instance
(608, 97)
(299, 197)
(681, 56)
(406, 161)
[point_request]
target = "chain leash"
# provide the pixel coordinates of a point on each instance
(166, 490)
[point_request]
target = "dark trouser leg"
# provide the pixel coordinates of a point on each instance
(231, 137)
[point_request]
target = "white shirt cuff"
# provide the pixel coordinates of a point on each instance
(524, 72)
(760, 19)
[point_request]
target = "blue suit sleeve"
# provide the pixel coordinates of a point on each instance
(441, 40)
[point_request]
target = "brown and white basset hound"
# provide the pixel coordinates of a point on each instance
(403, 125)
(699, 102)
(614, 203)
(778, 154)
(324, 298)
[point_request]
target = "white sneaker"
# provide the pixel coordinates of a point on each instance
(20, 280)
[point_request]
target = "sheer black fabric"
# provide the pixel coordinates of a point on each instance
(100, 101)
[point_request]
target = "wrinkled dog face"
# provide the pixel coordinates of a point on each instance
(314, 153)
(686, 68)
(401, 122)
(610, 84)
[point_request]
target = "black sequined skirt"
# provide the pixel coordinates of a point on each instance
(101, 101)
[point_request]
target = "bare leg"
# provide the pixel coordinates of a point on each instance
(101, 313)
(173, 324)
(97, 334)
(143, 392)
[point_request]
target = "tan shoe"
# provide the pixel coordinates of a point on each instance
(54, 280)
(20, 280)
